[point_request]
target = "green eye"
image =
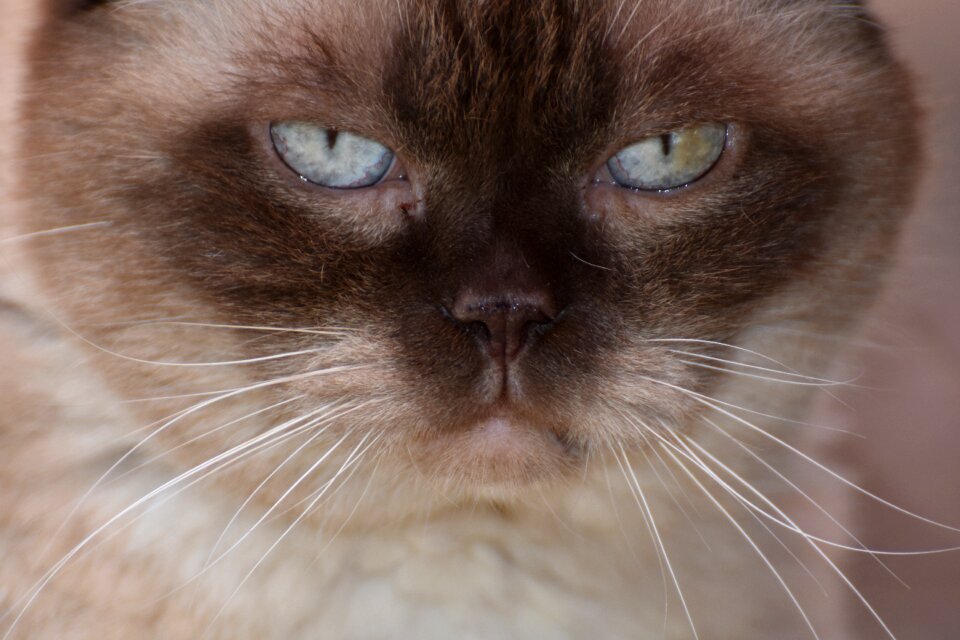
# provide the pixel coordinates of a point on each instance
(669, 161)
(330, 158)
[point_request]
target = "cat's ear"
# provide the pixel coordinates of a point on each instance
(67, 8)
(862, 9)
(862, 12)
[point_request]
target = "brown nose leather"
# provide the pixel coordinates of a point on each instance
(505, 322)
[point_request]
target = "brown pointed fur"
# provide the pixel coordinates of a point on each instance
(147, 123)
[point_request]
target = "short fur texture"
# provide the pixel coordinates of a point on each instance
(303, 434)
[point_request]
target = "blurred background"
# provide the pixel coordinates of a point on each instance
(910, 348)
(911, 454)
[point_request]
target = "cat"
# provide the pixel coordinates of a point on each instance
(434, 318)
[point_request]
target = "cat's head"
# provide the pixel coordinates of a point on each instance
(480, 234)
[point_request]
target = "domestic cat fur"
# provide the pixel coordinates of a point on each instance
(145, 122)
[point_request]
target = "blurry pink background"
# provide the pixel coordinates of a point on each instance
(911, 454)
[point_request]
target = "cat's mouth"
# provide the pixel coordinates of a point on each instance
(502, 449)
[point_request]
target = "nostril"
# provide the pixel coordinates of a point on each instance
(504, 323)
(479, 330)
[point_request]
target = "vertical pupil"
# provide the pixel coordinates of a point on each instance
(332, 135)
(666, 141)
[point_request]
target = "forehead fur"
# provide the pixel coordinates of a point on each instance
(472, 48)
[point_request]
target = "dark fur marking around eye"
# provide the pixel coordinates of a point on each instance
(501, 138)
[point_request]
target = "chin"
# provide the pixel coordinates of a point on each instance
(499, 456)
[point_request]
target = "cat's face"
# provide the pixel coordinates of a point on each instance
(490, 300)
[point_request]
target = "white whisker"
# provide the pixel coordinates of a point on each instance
(653, 538)
(784, 369)
(623, 529)
(715, 405)
(751, 511)
(282, 380)
(659, 478)
(179, 416)
(220, 363)
(57, 231)
(806, 496)
(286, 532)
(36, 589)
(837, 571)
(284, 496)
(645, 507)
(804, 381)
(788, 524)
(168, 422)
(332, 332)
(356, 505)
(725, 345)
(206, 434)
(743, 533)
(347, 464)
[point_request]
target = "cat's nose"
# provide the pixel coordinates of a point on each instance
(506, 322)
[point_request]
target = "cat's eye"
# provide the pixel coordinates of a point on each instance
(671, 160)
(331, 158)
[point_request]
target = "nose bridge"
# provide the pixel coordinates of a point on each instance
(523, 249)
(506, 267)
